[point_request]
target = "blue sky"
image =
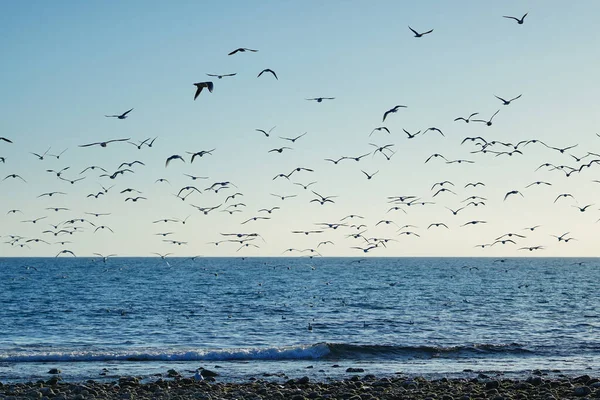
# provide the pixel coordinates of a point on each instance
(67, 64)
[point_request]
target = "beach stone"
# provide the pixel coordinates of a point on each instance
(355, 370)
(298, 397)
(447, 397)
(409, 384)
(173, 374)
(54, 371)
(302, 381)
(582, 391)
(582, 379)
(207, 373)
(492, 385)
(47, 391)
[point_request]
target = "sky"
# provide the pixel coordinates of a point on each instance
(67, 64)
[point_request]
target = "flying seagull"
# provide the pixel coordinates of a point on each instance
(221, 76)
(417, 34)
(320, 99)
(393, 110)
(202, 85)
(241, 50)
(104, 144)
(268, 70)
(507, 102)
(120, 116)
(519, 21)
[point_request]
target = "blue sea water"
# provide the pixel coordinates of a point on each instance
(248, 317)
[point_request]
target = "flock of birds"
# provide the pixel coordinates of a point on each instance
(68, 225)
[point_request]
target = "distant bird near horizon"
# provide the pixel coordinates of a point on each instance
(507, 102)
(489, 122)
(104, 144)
(467, 120)
(320, 99)
(120, 116)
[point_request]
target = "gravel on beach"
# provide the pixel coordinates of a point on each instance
(354, 388)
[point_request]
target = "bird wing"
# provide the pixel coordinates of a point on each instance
(126, 112)
(413, 31)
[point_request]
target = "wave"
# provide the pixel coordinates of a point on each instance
(331, 351)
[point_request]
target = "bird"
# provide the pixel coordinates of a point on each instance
(512, 192)
(437, 225)
(582, 209)
(417, 34)
(268, 70)
(135, 199)
(200, 154)
(434, 129)
(241, 50)
(202, 85)
(305, 187)
(564, 195)
(507, 102)
(474, 184)
(411, 135)
(488, 123)
(467, 120)
(392, 110)
(436, 155)
(173, 157)
(120, 116)
(104, 258)
(320, 99)
(293, 140)
(519, 20)
(65, 252)
(104, 144)
(41, 157)
(369, 177)
(3, 139)
(280, 150)
(265, 132)
(221, 76)
(14, 176)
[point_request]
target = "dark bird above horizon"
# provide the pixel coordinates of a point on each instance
(380, 128)
(221, 76)
(507, 102)
(14, 176)
(202, 85)
(512, 192)
(268, 70)
(242, 50)
(519, 20)
(265, 132)
(489, 122)
(293, 140)
(104, 144)
(417, 34)
(173, 157)
(392, 110)
(3, 139)
(120, 116)
(200, 154)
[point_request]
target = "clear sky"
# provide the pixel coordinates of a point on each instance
(66, 64)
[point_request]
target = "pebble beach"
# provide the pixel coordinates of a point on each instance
(206, 386)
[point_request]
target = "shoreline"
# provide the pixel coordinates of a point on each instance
(205, 386)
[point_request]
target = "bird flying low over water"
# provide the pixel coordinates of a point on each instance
(120, 116)
(241, 50)
(202, 85)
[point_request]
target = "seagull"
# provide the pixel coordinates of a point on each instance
(582, 209)
(392, 110)
(241, 50)
(519, 21)
(474, 223)
(254, 219)
(320, 99)
(120, 116)
(305, 187)
(135, 199)
(280, 150)
(200, 154)
(66, 252)
(14, 176)
(467, 120)
(488, 123)
(507, 102)
(202, 85)
(564, 195)
(196, 177)
(475, 184)
(41, 157)
(438, 224)
(512, 192)
(369, 177)
(538, 183)
(139, 146)
(221, 76)
(436, 155)
(417, 34)
(3, 139)
(104, 258)
(93, 167)
(268, 70)
(103, 227)
(435, 130)
(104, 144)
(173, 157)
(293, 140)
(269, 210)
(266, 133)
(381, 128)
(411, 136)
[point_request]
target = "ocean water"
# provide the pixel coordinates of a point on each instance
(249, 317)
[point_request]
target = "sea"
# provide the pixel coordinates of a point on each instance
(280, 318)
